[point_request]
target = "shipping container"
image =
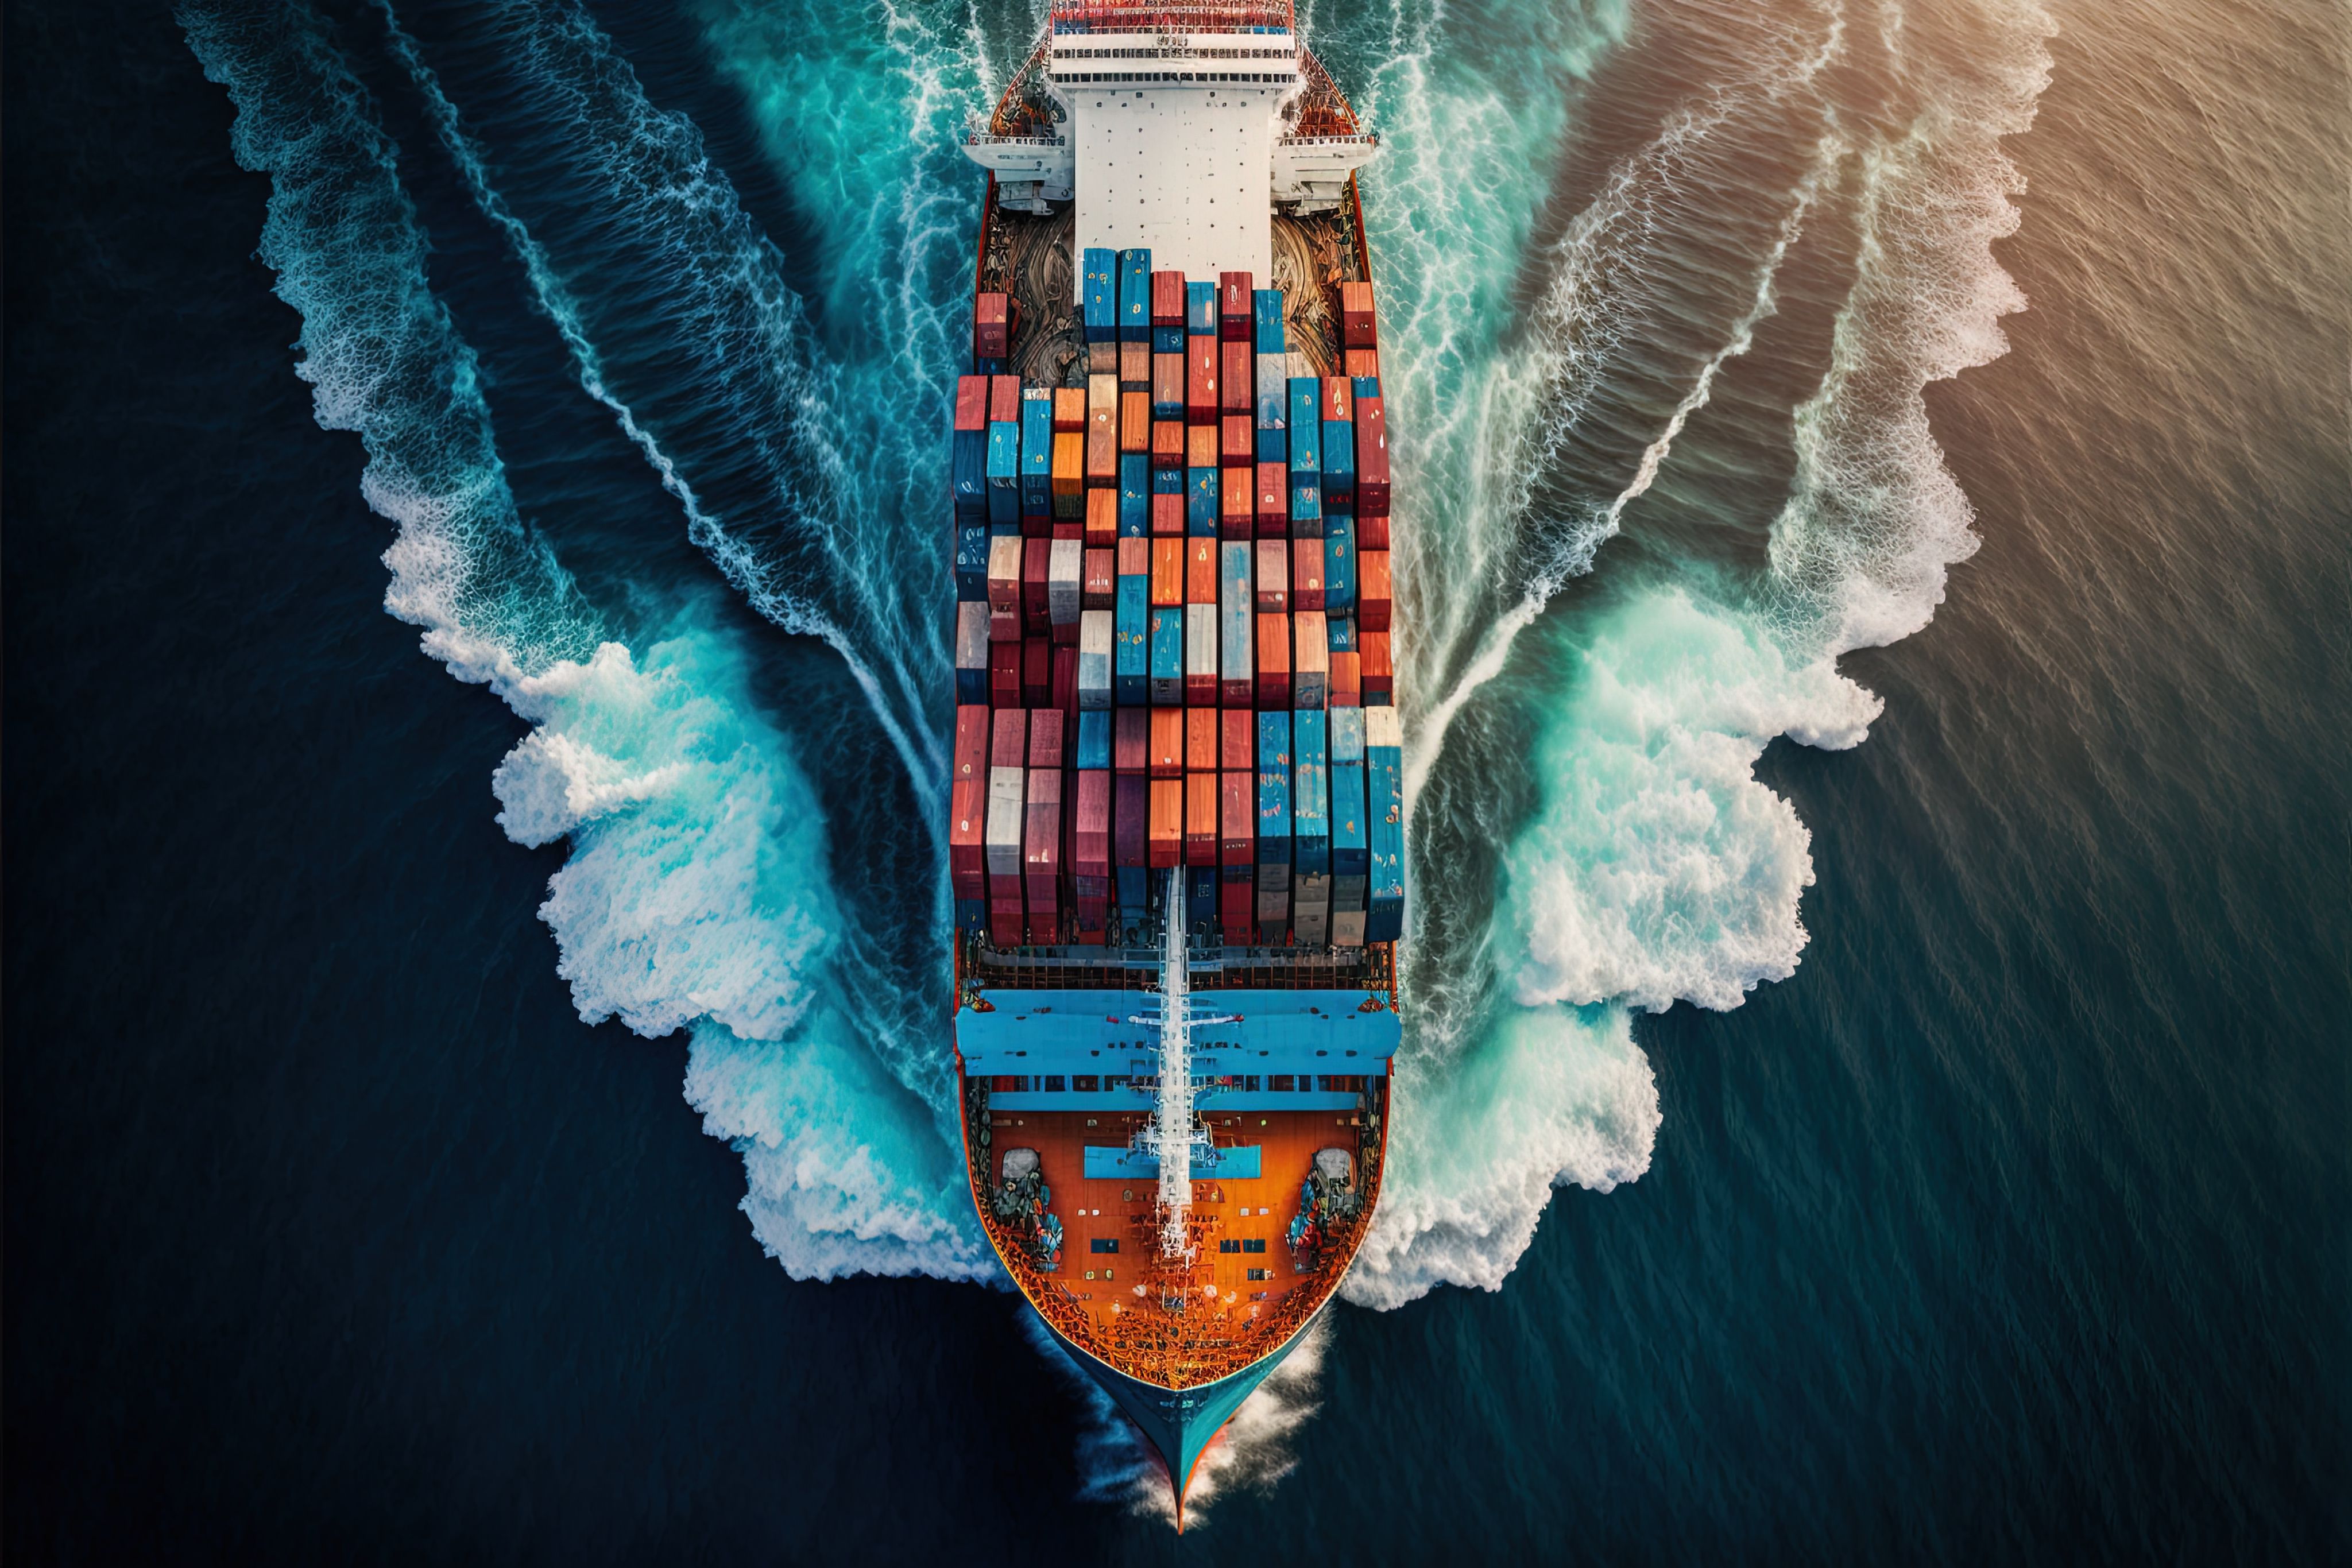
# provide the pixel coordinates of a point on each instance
(1274, 826)
(1166, 842)
(1203, 739)
(1134, 422)
(1306, 575)
(1168, 299)
(971, 562)
(1004, 472)
(1236, 443)
(1273, 501)
(1130, 735)
(1200, 818)
(968, 838)
(1135, 296)
(1036, 604)
(1363, 387)
(1343, 636)
(1130, 631)
(1234, 306)
(1090, 856)
(1003, 835)
(1201, 653)
(1339, 459)
(1094, 659)
(1372, 533)
(1037, 452)
(1372, 458)
(1236, 817)
(971, 653)
(1265, 315)
(1130, 837)
(1310, 660)
(1065, 575)
(1069, 472)
(1236, 513)
(1167, 742)
(1167, 389)
(1135, 368)
(1134, 495)
(1346, 679)
(1099, 586)
(1237, 638)
(1306, 423)
(1200, 308)
(1379, 674)
(1200, 572)
(1065, 696)
(1340, 564)
(1384, 807)
(1168, 445)
(1003, 672)
(1201, 367)
(1041, 855)
(1373, 591)
(1004, 399)
(1357, 326)
(1364, 367)
(1168, 656)
(1201, 507)
(1048, 730)
(1168, 571)
(1273, 661)
(1273, 576)
(1004, 555)
(969, 449)
(1236, 379)
(992, 334)
(972, 403)
(974, 730)
(1310, 817)
(1101, 530)
(1168, 339)
(1036, 671)
(1099, 295)
(1102, 430)
(1168, 506)
(1093, 739)
(1270, 404)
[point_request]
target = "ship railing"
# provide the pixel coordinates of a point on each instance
(1115, 16)
(1363, 139)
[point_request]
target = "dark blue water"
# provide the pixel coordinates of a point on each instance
(1978, 1195)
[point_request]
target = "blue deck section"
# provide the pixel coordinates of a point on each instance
(1179, 1423)
(1241, 1163)
(1092, 1031)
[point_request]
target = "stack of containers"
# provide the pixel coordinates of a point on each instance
(1311, 817)
(1271, 411)
(1237, 841)
(1131, 623)
(1037, 455)
(1098, 296)
(991, 331)
(1041, 838)
(969, 452)
(1350, 845)
(1135, 296)
(1131, 798)
(1237, 666)
(1274, 826)
(1359, 336)
(1008, 747)
(1090, 843)
(1201, 801)
(967, 818)
(1384, 802)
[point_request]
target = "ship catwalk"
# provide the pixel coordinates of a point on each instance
(1176, 830)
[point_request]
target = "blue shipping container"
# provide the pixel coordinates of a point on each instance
(969, 454)
(1168, 339)
(1037, 452)
(1343, 639)
(1130, 649)
(1305, 507)
(1093, 739)
(971, 562)
(1310, 784)
(1339, 461)
(1201, 310)
(1167, 481)
(1274, 786)
(1168, 655)
(1340, 571)
(1363, 387)
(1101, 302)
(1384, 804)
(1004, 472)
(1272, 444)
(1134, 495)
(1351, 846)
(1266, 308)
(1347, 735)
(1200, 502)
(1305, 427)
(1135, 296)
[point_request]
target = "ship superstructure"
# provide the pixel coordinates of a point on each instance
(1176, 835)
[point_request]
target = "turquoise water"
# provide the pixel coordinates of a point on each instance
(1871, 498)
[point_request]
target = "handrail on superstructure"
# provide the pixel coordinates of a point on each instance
(1129, 16)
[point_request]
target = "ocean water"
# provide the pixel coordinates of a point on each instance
(1873, 500)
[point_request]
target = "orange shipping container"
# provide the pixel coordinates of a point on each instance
(1167, 443)
(1237, 444)
(1199, 380)
(1135, 367)
(1379, 678)
(1168, 380)
(1202, 739)
(1167, 819)
(1306, 574)
(1070, 409)
(1273, 661)
(1240, 376)
(1200, 818)
(1357, 329)
(1134, 422)
(1102, 518)
(1363, 362)
(1167, 515)
(1069, 466)
(1167, 745)
(1201, 446)
(1168, 571)
(1135, 558)
(1236, 738)
(1200, 573)
(1273, 576)
(1346, 680)
(1373, 590)
(1236, 519)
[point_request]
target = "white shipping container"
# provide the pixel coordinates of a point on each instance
(1201, 641)
(1094, 658)
(1004, 576)
(971, 635)
(1004, 821)
(1065, 579)
(1347, 929)
(1311, 910)
(1310, 660)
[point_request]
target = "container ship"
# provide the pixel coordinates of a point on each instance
(1176, 835)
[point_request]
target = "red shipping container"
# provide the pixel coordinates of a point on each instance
(1273, 577)
(1008, 923)
(971, 739)
(1004, 399)
(1130, 739)
(1134, 558)
(1346, 680)
(1362, 363)
(1045, 730)
(992, 326)
(1102, 433)
(1135, 421)
(1066, 678)
(1041, 854)
(1004, 675)
(1069, 410)
(1203, 741)
(1036, 556)
(1168, 299)
(1090, 848)
(1236, 738)
(1373, 591)
(1064, 530)
(1036, 671)
(1372, 532)
(1200, 572)
(1101, 528)
(1130, 824)
(1200, 818)
(1167, 570)
(972, 403)
(1358, 328)
(1201, 446)
(1237, 379)
(1167, 742)
(1237, 817)
(1237, 447)
(1135, 367)
(1237, 307)
(1306, 574)
(1166, 817)
(1008, 737)
(1201, 380)
(1167, 516)
(1100, 587)
(1167, 381)
(1237, 518)
(1379, 678)
(1167, 443)
(967, 838)
(1372, 458)
(1338, 399)
(1273, 661)
(1273, 501)
(1235, 913)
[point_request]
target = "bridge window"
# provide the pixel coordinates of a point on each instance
(1103, 1244)
(1283, 1083)
(1053, 1084)
(1258, 1273)
(1254, 1244)
(1086, 1082)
